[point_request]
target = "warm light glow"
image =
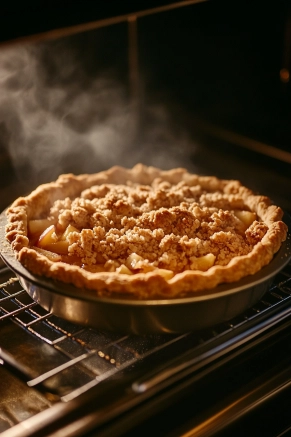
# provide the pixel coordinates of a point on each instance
(284, 75)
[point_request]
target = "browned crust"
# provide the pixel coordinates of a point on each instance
(142, 285)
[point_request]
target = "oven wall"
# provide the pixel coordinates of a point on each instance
(223, 62)
(153, 90)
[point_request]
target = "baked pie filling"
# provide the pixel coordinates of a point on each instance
(144, 231)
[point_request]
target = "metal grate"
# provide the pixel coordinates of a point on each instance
(56, 360)
(63, 358)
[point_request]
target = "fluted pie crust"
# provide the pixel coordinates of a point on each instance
(145, 232)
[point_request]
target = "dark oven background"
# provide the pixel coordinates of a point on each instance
(204, 86)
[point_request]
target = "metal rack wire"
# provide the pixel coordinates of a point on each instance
(61, 360)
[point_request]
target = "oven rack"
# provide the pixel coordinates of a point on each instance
(56, 360)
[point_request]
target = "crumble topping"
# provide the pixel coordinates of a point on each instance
(167, 226)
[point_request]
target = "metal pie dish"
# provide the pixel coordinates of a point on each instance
(133, 316)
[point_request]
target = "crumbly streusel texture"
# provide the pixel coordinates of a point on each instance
(148, 232)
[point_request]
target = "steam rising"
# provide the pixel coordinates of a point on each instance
(56, 118)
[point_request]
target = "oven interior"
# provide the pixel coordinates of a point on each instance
(202, 85)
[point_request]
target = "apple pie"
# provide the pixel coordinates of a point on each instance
(144, 231)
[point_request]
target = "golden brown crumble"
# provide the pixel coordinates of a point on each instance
(168, 226)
